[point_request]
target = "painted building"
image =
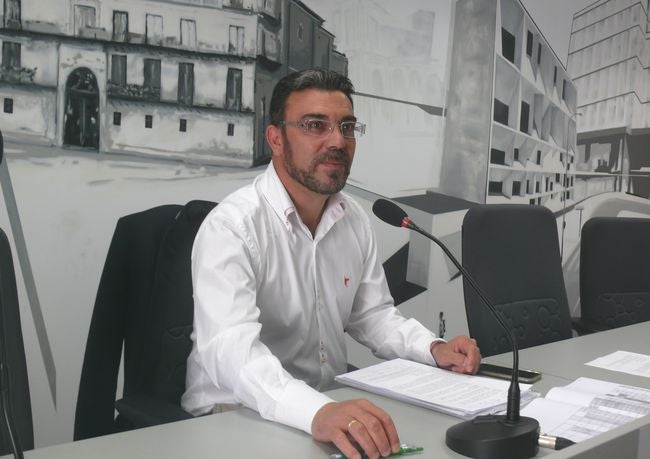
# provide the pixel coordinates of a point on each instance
(608, 59)
(510, 131)
(398, 62)
(188, 80)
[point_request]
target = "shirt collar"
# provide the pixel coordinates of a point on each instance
(280, 201)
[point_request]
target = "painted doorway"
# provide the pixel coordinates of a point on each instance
(81, 118)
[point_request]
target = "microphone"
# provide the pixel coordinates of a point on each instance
(508, 436)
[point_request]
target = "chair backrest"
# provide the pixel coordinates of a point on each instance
(512, 252)
(170, 343)
(12, 355)
(144, 302)
(615, 271)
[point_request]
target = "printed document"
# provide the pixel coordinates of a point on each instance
(461, 395)
(588, 407)
(625, 362)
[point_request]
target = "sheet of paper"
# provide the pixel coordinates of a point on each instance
(625, 362)
(453, 393)
(549, 413)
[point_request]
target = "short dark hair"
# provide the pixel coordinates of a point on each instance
(313, 78)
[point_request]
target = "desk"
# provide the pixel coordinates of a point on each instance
(243, 434)
(567, 358)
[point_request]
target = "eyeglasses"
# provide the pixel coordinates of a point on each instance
(323, 128)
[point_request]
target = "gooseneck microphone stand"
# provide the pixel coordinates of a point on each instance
(508, 436)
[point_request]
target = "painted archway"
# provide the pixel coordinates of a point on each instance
(81, 116)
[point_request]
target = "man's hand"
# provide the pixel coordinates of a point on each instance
(359, 420)
(459, 354)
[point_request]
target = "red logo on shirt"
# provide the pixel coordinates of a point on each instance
(346, 280)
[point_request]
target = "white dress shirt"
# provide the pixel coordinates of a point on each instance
(272, 304)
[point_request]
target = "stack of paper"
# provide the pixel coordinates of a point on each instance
(457, 394)
(588, 407)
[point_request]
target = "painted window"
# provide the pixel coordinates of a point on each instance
(523, 118)
(151, 86)
(529, 44)
(236, 40)
(495, 188)
(84, 17)
(185, 83)
(12, 14)
(10, 55)
(501, 112)
(120, 26)
(118, 69)
(233, 89)
(188, 33)
(508, 45)
(154, 33)
(497, 156)
(117, 118)
(8, 105)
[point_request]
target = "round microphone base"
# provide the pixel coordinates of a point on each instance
(494, 437)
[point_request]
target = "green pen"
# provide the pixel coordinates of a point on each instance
(404, 449)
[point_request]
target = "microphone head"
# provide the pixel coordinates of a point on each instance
(389, 212)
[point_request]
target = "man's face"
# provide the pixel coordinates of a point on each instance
(319, 164)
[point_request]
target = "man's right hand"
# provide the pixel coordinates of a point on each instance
(359, 420)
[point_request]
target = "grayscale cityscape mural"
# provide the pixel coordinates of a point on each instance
(110, 107)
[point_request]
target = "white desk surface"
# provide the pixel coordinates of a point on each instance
(243, 434)
(567, 358)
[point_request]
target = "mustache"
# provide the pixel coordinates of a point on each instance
(333, 155)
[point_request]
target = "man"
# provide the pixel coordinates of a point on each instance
(282, 268)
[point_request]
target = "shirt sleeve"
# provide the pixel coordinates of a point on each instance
(227, 329)
(378, 324)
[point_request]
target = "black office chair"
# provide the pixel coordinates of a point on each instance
(145, 303)
(615, 272)
(512, 252)
(13, 373)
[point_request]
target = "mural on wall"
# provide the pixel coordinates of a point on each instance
(113, 106)
(184, 80)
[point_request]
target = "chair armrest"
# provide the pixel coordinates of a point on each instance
(585, 327)
(146, 411)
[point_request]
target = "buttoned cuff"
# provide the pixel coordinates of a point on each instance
(299, 404)
(422, 350)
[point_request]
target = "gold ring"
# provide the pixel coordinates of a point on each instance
(350, 423)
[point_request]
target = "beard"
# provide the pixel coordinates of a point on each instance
(335, 179)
